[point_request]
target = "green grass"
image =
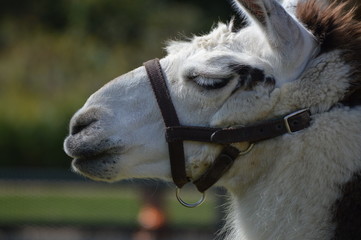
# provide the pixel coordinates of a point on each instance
(57, 209)
(90, 205)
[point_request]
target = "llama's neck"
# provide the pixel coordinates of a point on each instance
(296, 198)
(284, 210)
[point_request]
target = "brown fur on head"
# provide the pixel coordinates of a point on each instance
(352, 4)
(336, 28)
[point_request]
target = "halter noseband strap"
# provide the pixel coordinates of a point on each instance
(176, 133)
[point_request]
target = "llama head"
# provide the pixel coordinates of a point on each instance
(226, 78)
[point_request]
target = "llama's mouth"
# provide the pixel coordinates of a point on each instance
(90, 146)
(96, 160)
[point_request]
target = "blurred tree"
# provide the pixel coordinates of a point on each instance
(51, 14)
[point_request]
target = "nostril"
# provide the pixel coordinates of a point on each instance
(85, 118)
(80, 126)
(77, 128)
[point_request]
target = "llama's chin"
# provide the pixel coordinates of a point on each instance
(98, 168)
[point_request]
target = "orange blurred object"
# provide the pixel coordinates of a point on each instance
(151, 218)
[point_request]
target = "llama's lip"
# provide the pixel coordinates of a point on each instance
(88, 147)
(88, 154)
(97, 162)
(94, 157)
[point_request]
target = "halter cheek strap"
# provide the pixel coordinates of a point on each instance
(170, 118)
(176, 134)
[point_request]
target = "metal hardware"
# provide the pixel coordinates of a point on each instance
(286, 118)
(250, 147)
(189, 205)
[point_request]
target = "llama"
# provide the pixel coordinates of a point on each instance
(302, 184)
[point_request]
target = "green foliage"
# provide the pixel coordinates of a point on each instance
(54, 54)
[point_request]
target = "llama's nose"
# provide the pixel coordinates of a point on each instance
(82, 122)
(80, 126)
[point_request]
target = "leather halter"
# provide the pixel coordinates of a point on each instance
(176, 133)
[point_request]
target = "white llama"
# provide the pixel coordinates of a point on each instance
(303, 183)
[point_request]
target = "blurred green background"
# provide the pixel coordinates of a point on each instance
(54, 54)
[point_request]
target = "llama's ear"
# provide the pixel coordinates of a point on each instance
(285, 35)
(253, 8)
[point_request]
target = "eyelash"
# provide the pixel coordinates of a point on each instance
(210, 83)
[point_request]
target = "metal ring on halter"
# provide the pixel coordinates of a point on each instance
(250, 147)
(189, 205)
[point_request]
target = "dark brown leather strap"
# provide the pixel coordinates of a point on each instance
(169, 114)
(253, 133)
(219, 167)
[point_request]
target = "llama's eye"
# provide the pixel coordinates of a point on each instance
(210, 83)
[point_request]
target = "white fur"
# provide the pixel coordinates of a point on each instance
(295, 179)
(284, 188)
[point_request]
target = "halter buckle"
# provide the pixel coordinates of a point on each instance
(287, 118)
